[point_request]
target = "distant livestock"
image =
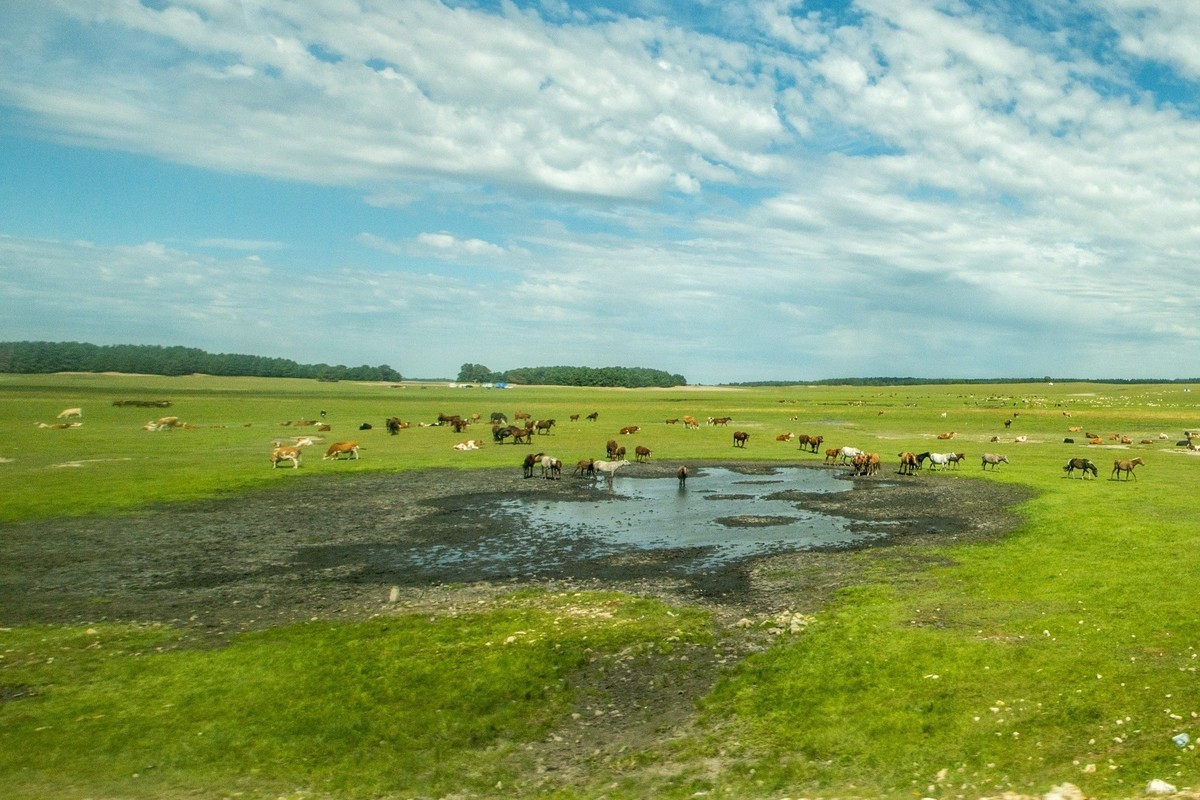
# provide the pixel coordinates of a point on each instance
(641, 453)
(339, 449)
(993, 459)
(682, 474)
(609, 468)
(1085, 465)
(739, 438)
(1125, 466)
(67, 413)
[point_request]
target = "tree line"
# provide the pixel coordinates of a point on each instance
(625, 377)
(148, 359)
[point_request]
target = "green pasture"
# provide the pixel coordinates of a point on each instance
(1065, 652)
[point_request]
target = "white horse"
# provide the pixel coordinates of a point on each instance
(551, 467)
(941, 459)
(848, 453)
(609, 468)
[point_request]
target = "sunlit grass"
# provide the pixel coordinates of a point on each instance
(410, 704)
(1064, 652)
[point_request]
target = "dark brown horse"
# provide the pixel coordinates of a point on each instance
(739, 438)
(1084, 464)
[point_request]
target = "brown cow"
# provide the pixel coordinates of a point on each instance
(338, 449)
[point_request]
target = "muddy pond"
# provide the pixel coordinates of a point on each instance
(720, 517)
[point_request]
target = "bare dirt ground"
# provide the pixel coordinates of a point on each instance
(349, 548)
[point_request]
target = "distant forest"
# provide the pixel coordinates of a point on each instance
(626, 377)
(45, 357)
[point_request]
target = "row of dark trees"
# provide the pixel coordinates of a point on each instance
(45, 357)
(627, 377)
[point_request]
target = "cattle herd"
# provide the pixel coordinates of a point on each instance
(861, 463)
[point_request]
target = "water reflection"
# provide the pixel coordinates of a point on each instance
(725, 515)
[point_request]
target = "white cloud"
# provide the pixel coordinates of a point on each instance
(913, 187)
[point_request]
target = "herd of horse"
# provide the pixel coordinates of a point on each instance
(862, 463)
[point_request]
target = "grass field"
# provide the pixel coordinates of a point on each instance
(1067, 652)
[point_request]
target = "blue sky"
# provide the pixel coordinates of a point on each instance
(762, 190)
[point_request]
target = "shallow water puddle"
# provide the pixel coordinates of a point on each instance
(720, 517)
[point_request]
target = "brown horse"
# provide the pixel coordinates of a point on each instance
(1120, 466)
(739, 438)
(908, 463)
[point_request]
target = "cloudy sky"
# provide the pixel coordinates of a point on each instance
(732, 191)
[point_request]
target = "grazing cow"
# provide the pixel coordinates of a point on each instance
(611, 449)
(592, 417)
(338, 449)
(1125, 466)
(1084, 464)
(609, 468)
(551, 468)
(690, 422)
(641, 453)
(67, 413)
(527, 465)
(585, 468)
(908, 463)
(630, 429)
(682, 474)
(784, 437)
(544, 425)
(739, 438)
(992, 459)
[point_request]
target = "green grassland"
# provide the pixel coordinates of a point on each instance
(1065, 652)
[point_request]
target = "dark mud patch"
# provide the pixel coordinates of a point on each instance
(342, 547)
